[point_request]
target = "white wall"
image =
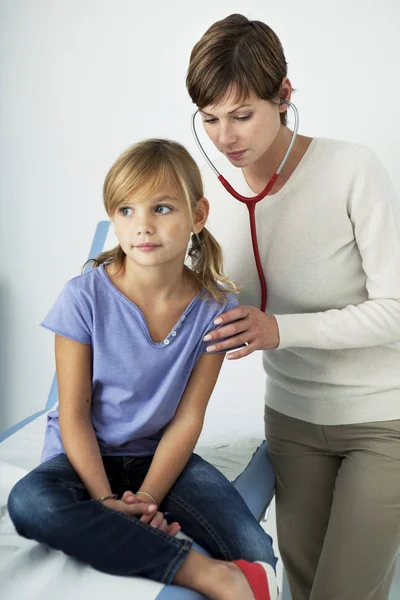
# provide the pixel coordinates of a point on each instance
(83, 79)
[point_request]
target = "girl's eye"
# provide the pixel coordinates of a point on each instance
(209, 120)
(125, 211)
(163, 210)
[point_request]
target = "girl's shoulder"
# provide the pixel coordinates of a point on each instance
(211, 305)
(89, 280)
(231, 300)
(72, 313)
(88, 289)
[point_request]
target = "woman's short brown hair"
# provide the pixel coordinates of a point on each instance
(236, 53)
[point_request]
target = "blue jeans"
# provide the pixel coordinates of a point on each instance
(52, 506)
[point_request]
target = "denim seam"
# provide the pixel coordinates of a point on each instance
(184, 549)
(202, 521)
(176, 543)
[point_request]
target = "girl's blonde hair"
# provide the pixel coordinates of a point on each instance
(142, 169)
(236, 53)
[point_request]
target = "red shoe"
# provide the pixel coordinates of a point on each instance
(261, 577)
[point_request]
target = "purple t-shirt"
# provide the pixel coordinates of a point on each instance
(137, 383)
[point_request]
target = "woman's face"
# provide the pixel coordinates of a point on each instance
(243, 130)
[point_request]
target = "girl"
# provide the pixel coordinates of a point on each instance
(330, 247)
(134, 383)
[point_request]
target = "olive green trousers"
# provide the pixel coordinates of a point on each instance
(337, 506)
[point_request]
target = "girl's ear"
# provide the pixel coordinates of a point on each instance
(200, 215)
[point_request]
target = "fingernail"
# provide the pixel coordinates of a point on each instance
(152, 507)
(217, 321)
(206, 338)
(210, 348)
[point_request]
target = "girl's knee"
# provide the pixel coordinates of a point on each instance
(18, 505)
(26, 510)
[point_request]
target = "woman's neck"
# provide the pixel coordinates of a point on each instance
(259, 173)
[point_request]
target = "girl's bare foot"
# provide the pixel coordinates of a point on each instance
(215, 579)
(221, 580)
(234, 584)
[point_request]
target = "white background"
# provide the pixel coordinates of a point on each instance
(83, 79)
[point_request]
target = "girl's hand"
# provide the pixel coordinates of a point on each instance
(251, 327)
(155, 519)
(134, 509)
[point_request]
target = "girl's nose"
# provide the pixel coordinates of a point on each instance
(145, 225)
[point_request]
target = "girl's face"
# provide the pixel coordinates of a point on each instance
(154, 230)
(243, 130)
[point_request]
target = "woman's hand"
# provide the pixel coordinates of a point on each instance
(244, 325)
(130, 502)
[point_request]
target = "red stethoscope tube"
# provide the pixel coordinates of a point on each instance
(252, 201)
(251, 205)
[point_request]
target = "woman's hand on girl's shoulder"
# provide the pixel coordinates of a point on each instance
(243, 325)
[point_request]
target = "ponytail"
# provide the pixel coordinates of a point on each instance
(116, 256)
(206, 263)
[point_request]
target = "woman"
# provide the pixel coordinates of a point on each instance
(330, 250)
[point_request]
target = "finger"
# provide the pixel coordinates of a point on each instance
(142, 509)
(163, 526)
(174, 528)
(230, 344)
(157, 520)
(128, 497)
(240, 312)
(249, 349)
(228, 331)
(147, 518)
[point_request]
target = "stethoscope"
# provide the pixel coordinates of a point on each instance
(251, 202)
